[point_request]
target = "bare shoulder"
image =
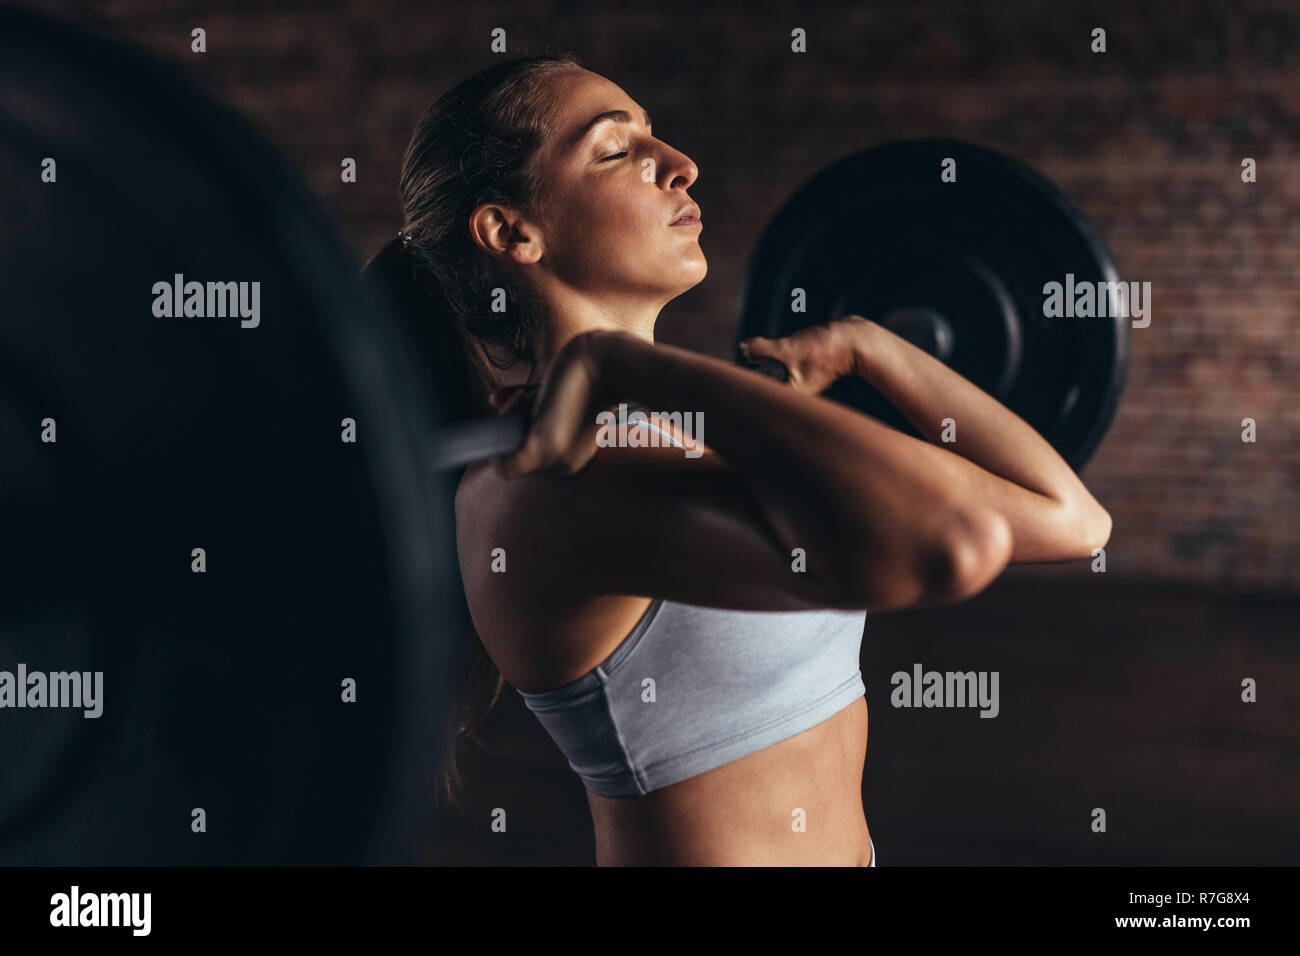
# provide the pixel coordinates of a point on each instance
(535, 538)
(558, 569)
(529, 606)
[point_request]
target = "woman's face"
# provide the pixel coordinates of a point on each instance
(612, 190)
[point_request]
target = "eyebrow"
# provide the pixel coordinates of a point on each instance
(621, 116)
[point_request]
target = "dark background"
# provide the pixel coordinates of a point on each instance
(1119, 690)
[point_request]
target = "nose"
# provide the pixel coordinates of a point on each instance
(676, 170)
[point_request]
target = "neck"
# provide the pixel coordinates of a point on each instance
(572, 321)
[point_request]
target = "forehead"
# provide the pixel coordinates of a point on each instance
(579, 96)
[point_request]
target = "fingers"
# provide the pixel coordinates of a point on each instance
(563, 422)
(540, 454)
(561, 431)
(509, 397)
(783, 351)
(525, 461)
(758, 346)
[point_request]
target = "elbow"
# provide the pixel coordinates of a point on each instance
(962, 557)
(974, 551)
(1099, 532)
(1087, 530)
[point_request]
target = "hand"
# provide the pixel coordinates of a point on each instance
(562, 435)
(816, 356)
(508, 398)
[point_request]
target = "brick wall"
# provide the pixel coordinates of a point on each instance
(1148, 139)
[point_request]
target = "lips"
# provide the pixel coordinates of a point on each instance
(687, 216)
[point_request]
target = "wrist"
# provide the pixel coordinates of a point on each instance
(863, 344)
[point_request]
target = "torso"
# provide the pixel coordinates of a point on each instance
(797, 802)
(746, 813)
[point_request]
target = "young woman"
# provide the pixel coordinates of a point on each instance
(686, 627)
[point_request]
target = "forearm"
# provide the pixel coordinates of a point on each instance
(860, 498)
(997, 454)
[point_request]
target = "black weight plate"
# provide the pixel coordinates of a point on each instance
(879, 234)
(325, 560)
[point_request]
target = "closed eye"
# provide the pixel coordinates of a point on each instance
(615, 156)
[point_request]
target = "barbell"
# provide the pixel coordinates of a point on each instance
(951, 246)
(228, 572)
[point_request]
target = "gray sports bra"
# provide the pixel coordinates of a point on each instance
(692, 688)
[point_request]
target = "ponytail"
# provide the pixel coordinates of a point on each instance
(461, 383)
(461, 378)
(476, 144)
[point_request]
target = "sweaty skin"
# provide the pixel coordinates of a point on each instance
(592, 536)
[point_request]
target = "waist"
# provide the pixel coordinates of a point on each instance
(797, 802)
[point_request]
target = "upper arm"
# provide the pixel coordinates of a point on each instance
(651, 522)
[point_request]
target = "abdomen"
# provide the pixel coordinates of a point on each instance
(795, 803)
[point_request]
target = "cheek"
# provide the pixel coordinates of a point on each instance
(611, 219)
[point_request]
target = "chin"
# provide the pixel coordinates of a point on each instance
(695, 271)
(691, 281)
(686, 272)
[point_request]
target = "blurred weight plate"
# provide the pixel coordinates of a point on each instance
(325, 560)
(957, 268)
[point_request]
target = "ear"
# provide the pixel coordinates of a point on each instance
(502, 232)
